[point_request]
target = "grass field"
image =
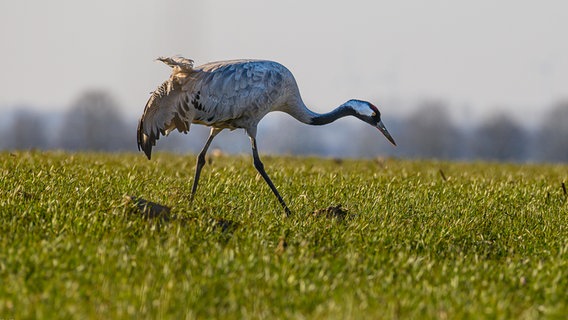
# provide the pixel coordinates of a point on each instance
(417, 239)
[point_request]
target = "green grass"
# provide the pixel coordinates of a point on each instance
(422, 239)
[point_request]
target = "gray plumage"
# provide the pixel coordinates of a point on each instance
(230, 95)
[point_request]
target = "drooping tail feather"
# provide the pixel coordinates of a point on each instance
(145, 143)
(165, 109)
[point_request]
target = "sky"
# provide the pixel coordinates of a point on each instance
(481, 57)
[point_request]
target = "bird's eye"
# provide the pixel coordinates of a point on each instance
(373, 114)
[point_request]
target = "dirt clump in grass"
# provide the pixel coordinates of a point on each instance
(148, 209)
(224, 225)
(332, 212)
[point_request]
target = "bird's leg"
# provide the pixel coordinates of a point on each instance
(260, 168)
(201, 160)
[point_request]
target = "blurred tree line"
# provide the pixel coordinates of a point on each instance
(95, 122)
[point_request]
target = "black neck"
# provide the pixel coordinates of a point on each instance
(339, 112)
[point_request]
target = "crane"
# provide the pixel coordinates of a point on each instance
(230, 95)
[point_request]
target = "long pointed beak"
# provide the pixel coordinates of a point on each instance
(384, 131)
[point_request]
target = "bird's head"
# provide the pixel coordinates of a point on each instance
(367, 112)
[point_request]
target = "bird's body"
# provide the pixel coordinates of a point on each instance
(214, 95)
(229, 95)
(220, 89)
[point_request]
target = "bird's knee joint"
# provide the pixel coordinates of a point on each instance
(258, 165)
(201, 160)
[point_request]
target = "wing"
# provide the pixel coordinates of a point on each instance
(234, 92)
(167, 109)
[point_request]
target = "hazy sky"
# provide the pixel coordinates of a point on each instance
(480, 56)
